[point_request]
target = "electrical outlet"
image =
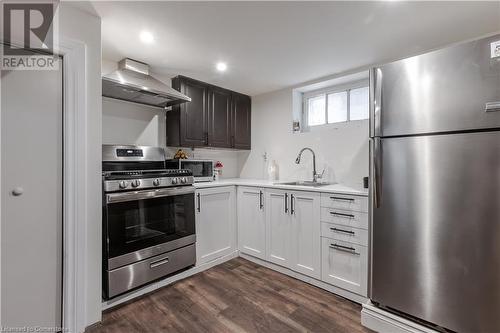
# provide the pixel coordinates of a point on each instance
(495, 49)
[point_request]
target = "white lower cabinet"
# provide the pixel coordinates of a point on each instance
(345, 265)
(215, 223)
(318, 235)
(251, 221)
(293, 230)
(306, 226)
(278, 228)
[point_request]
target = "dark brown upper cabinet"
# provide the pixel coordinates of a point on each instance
(219, 118)
(215, 117)
(187, 124)
(241, 120)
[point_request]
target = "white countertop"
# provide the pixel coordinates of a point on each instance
(334, 188)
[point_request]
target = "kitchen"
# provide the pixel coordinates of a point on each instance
(267, 177)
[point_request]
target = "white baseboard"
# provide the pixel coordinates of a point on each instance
(162, 283)
(382, 321)
(320, 284)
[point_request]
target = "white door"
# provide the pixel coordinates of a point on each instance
(215, 223)
(251, 221)
(305, 212)
(31, 198)
(278, 228)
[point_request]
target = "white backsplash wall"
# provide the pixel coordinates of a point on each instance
(128, 123)
(342, 149)
(229, 158)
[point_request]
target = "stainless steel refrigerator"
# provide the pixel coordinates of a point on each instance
(435, 166)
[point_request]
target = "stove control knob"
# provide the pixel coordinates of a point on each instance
(123, 184)
(136, 183)
(156, 182)
(183, 180)
(174, 181)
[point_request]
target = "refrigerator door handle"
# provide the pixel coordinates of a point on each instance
(492, 106)
(372, 102)
(375, 101)
(377, 171)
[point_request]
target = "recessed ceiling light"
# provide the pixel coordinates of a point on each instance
(146, 37)
(221, 66)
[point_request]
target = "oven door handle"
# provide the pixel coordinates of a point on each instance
(148, 194)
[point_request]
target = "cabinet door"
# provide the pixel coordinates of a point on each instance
(215, 223)
(241, 122)
(194, 115)
(278, 228)
(305, 212)
(219, 118)
(345, 265)
(251, 221)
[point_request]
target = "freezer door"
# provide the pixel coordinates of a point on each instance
(436, 229)
(452, 89)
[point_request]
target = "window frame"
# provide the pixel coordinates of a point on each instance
(326, 91)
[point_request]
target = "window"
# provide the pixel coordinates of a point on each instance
(316, 107)
(336, 106)
(359, 103)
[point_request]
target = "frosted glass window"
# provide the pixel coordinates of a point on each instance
(333, 105)
(337, 107)
(359, 101)
(316, 110)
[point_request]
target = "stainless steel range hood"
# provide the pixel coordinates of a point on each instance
(131, 82)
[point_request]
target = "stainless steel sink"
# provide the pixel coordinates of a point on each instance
(303, 183)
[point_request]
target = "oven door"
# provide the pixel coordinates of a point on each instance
(203, 171)
(142, 224)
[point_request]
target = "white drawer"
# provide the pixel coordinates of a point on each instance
(345, 265)
(346, 202)
(344, 233)
(342, 217)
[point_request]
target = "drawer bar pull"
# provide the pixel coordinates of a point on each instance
(342, 199)
(342, 215)
(347, 249)
(158, 263)
(342, 230)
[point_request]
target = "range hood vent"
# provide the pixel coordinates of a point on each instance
(131, 82)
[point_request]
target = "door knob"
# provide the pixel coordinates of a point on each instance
(17, 191)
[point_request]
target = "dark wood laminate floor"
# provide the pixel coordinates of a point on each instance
(236, 296)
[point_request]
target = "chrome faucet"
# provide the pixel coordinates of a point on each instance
(297, 161)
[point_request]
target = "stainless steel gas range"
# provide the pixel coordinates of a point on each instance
(148, 218)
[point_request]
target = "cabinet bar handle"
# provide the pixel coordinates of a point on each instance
(261, 203)
(342, 230)
(292, 204)
(158, 263)
(199, 202)
(342, 215)
(347, 249)
(342, 199)
(286, 203)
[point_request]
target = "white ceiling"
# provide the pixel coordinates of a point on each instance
(272, 45)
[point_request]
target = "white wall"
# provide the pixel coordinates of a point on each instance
(81, 26)
(342, 150)
(128, 123)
